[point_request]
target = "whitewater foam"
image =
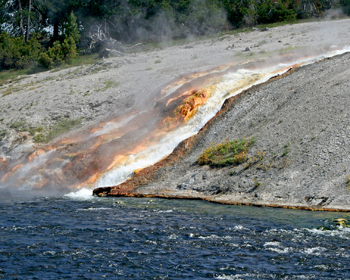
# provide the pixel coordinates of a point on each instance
(82, 194)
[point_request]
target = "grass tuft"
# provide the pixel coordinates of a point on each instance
(62, 126)
(226, 153)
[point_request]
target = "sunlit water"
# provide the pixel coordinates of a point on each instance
(130, 238)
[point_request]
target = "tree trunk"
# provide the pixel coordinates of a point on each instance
(55, 30)
(21, 27)
(28, 20)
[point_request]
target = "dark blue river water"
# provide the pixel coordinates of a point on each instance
(130, 238)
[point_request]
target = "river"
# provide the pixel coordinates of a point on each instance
(84, 237)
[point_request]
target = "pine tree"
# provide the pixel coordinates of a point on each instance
(71, 28)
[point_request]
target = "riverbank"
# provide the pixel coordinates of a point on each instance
(300, 158)
(300, 122)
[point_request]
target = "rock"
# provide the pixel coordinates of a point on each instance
(104, 54)
(183, 186)
(210, 190)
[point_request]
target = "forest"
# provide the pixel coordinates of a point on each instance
(51, 32)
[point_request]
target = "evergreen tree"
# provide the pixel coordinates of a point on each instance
(71, 28)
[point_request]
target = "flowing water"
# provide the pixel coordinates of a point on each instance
(72, 237)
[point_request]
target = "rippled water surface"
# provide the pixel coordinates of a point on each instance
(129, 238)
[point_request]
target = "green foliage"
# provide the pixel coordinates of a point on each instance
(59, 53)
(109, 84)
(14, 54)
(19, 125)
(62, 126)
(10, 75)
(34, 130)
(206, 17)
(275, 11)
(55, 55)
(69, 49)
(3, 134)
(40, 138)
(71, 30)
(346, 6)
(286, 150)
(234, 152)
(236, 10)
(45, 60)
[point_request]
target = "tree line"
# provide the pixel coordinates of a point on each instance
(51, 31)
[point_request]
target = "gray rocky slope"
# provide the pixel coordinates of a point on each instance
(301, 124)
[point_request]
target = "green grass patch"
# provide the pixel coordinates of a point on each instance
(40, 138)
(3, 133)
(62, 126)
(34, 130)
(10, 76)
(19, 126)
(108, 84)
(286, 150)
(77, 61)
(348, 181)
(226, 153)
(83, 60)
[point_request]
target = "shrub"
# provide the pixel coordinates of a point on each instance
(71, 28)
(59, 53)
(19, 125)
(345, 6)
(69, 49)
(274, 11)
(45, 60)
(14, 54)
(226, 153)
(55, 53)
(40, 138)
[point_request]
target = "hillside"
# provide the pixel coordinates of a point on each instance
(301, 153)
(299, 122)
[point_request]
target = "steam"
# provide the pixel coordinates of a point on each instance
(202, 17)
(136, 138)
